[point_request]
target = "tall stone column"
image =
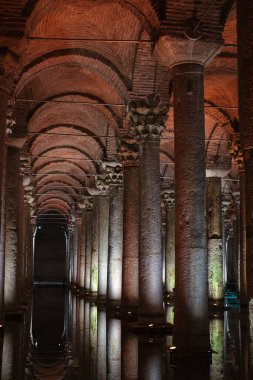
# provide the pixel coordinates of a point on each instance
(168, 198)
(71, 229)
(187, 58)
(214, 242)
(82, 251)
(146, 120)
(128, 155)
(103, 235)
(237, 154)
(3, 114)
(88, 243)
(94, 254)
(12, 283)
(245, 90)
(114, 282)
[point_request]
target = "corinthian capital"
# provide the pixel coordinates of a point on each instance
(147, 117)
(168, 196)
(128, 152)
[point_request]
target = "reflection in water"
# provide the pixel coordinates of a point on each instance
(65, 337)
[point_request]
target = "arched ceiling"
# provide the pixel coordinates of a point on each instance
(80, 62)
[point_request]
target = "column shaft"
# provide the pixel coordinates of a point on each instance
(170, 250)
(12, 255)
(103, 232)
(214, 247)
(94, 255)
(115, 244)
(88, 249)
(150, 251)
(130, 281)
(82, 250)
(3, 113)
(191, 306)
(245, 92)
(243, 276)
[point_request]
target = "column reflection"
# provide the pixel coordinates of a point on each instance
(81, 340)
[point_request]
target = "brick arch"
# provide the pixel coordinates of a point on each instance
(142, 10)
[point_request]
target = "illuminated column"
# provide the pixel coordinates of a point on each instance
(114, 179)
(71, 252)
(82, 250)
(214, 242)
(114, 349)
(237, 154)
(88, 241)
(94, 252)
(168, 198)
(101, 357)
(245, 92)
(12, 289)
(77, 248)
(146, 121)
(103, 235)
(128, 155)
(187, 58)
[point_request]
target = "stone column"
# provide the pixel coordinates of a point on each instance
(76, 251)
(94, 254)
(243, 272)
(245, 90)
(71, 253)
(168, 198)
(3, 114)
(103, 235)
(128, 155)
(114, 282)
(146, 120)
(187, 58)
(78, 248)
(82, 251)
(101, 345)
(12, 283)
(88, 246)
(214, 242)
(237, 154)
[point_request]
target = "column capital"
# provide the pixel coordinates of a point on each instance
(85, 203)
(113, 173)
(168, 196)
(176, 50)
(101, 185)
(147, 117)
(128, 151)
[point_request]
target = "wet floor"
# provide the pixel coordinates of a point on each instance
(63, 336)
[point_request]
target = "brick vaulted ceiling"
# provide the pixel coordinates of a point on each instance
(74, 65)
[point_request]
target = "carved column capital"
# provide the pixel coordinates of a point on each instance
(128, 152)
(168, 196)
(175, 50)
(102, 185)
(147, 117)
(85, 203)
(113, 174)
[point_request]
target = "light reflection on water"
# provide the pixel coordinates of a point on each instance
(65, 337)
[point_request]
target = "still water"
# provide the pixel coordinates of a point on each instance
(62, 336)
